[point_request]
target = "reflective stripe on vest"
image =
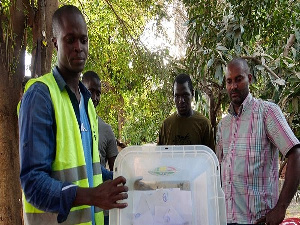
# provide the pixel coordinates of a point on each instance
(75, 174)
(82, 218)
(69, 163)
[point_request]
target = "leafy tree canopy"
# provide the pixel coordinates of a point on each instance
(266, 33)
(133, 101)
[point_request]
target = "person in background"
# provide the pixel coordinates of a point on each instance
(107, 142)
(247, 144)
(60, 168)
(185, 126)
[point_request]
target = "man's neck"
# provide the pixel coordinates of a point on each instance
(236, 108)
(72, 80)
(187, 115)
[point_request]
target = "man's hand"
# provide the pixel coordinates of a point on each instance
(107, 194)
(291, 183)
(274, 217)
(104, 196)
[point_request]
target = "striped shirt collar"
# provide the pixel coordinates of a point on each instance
(245, 105)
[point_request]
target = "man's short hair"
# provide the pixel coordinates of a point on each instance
(182, 78)
(56, 18)
(242, 63)
(90, 75)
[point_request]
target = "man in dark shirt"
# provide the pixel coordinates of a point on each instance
(107, 141)
(185, 126)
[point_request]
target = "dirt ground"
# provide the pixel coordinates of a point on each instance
(293, 210)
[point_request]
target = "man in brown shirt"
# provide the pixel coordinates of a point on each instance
(185, 126)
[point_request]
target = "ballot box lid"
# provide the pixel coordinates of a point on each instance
(186, 176)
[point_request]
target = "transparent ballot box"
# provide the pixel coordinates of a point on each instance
(170, 185)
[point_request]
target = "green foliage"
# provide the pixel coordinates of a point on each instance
(4, 6)
(257, 30)
(5, 30)
(272, 20)
(144, 117)
(133, 100)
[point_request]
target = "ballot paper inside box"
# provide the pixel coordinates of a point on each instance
(170, 185)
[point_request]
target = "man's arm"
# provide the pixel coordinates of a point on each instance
(111, 148)
(291, 183)
(111, 162)
(208, 138)
(281, 135)
(37, 152)
(219, 143)
(161, 135)
(106, 174)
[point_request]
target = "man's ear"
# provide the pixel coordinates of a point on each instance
(54, 40)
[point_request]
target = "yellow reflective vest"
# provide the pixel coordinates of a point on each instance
(69, 163)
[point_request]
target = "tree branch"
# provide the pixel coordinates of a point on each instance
(121, 9)
(30, 12)
(218, 103)
(83, 11)
(219, 88)
(124, 25)
(120, 20)
(289, 44)
(282, 165)
(1, 29)
(257, 61)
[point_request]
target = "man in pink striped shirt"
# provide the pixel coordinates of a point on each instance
(247, 144)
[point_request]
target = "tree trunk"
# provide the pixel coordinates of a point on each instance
(12, 67)
(121, 118)
(42, 35)
(289, 44)
(212, 114)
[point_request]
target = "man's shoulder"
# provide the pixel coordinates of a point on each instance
(268, 103)
(225, 119)
(39, 88)
(37, 95)
(38, 85)
(100, 121)
(170, 118)
(199, 117)
(103, 125)
(261, 105)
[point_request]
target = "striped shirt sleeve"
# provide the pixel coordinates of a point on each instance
(278, 130)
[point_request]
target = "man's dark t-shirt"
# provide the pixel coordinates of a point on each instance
(193, 130)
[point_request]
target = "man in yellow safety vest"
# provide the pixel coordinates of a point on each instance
(60, 166)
